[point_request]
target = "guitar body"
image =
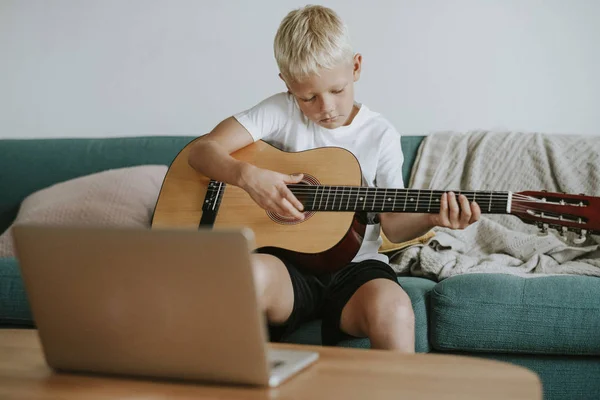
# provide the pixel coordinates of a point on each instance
(324, 241)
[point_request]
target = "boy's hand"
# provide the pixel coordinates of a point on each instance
(269, 190)
(452, 215)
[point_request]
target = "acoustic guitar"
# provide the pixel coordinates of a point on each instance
(336, 206)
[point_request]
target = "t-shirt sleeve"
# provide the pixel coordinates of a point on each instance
(267, 117)
(391, 158)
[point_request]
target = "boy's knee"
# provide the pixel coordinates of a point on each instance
(390, 311)
(261, 273)
(273, 286)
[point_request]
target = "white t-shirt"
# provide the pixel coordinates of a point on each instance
(279, 121)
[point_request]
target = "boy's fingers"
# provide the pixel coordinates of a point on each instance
(292, 199)
(276, 208)
(293, 178)
(444, 210)
(291, 210)
(453, 209)
(287, 194)
(465, 213)
(475, 212)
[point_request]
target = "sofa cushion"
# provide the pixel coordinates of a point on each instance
(117, 197)
(14, 306)
(417, 289)
(497, 313)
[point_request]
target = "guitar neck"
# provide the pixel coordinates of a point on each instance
(368, 199)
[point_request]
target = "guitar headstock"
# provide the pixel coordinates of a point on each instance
(560, 211)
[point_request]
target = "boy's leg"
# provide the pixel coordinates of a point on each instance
(367, 300)
(381, 310)
(288, 296)
(273, 287)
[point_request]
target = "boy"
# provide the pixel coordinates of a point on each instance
(319, 68)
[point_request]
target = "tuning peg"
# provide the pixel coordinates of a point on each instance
(543, 230)
(562, 233)
(581, 238)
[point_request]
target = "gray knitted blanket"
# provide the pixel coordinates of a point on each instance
(504, 161)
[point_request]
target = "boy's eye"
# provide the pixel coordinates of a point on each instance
(338, 91)
(308, 100)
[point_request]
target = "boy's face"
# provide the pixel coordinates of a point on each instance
(328, 99)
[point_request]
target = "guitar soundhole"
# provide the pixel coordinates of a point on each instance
(307, 180)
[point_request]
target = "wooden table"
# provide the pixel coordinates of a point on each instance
(340, 373)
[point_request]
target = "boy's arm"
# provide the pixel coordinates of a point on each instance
(401, 227)
(210, 155)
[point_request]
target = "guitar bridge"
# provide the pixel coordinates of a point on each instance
(211, 203)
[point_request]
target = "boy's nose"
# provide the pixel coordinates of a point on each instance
(326, 104)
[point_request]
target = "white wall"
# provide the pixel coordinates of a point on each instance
(177, 67)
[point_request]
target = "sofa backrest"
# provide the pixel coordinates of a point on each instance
(28, 165)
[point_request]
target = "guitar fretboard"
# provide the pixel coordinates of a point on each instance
(368, 199)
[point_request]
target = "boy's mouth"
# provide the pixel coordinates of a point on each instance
(332, 119)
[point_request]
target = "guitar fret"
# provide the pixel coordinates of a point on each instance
(333, 201)
(315, 198)
(405, 198)
(341, 199)
(430, 197)
(374, 198)
(490, 203)
(328, 193)
(417, 202)
(394, 204)
(322, 193)
(384, 199)
(348, 203)
(365, 202)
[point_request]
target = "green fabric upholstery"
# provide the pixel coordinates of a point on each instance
(509, 314)
(14, 306)
(410, 147)
(563, 377)
(417, 289)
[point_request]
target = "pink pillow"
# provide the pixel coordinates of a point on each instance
(118, 197)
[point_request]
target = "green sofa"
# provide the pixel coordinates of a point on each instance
(550, 325)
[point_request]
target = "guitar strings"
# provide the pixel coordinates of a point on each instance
(381, 200)
(377, 191)
(355, 191)
(497, 209)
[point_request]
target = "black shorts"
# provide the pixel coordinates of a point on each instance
(324, 297)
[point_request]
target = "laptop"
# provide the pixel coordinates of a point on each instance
(172, 304)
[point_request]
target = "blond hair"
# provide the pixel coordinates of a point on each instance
(311, 38)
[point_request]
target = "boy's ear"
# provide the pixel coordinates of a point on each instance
(357, 66)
